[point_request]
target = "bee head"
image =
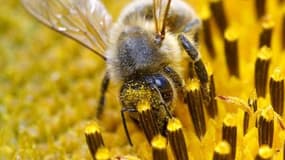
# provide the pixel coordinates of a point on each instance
(138, 52)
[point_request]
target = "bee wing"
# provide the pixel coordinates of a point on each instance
(85, 21)
(160, 11)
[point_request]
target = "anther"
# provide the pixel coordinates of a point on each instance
(176, 138)
(276, 89)
(93, 138)
(266, 33)
(260, 8)
(218, 12)
(229, 133)
(195, 107)
(252, 103)
(103, 154)
(212, 107)
(147, 121)
(159, 148)
(261, 71)
(266, 127)
(264, 153)
(231, 51)
(207, 33)
(222, 151)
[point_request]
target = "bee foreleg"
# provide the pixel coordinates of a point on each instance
(124, 122)
(193, 27)
(199, 66)
(193, 53)
(162, 102)
(104, 86)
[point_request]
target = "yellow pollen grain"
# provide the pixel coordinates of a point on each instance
(103, 154)
(223, 148)
(174, 125)
(265, 152)
(268, 113)
(93, 127)
(159, 142)
(265, 53)
(230, 120)
(192, 85)
(231, 34)
(277, 74)
(143, 106)
(267, 22)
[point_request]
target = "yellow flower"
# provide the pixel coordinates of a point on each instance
(49, 87)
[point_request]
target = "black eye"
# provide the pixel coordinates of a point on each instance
(164, 87)
(161, 82)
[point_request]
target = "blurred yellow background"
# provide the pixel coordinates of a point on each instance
(49, 85)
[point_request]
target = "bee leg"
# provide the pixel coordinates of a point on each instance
(193, 53)
(176, 79)
(162, 120)
(104, 86)
(162, 102)
(199, 66)
(125, 124)
(193, 27)
(166, 109)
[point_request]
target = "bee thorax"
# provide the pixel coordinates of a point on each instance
(137, 54)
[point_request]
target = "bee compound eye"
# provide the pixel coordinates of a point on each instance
(164, 87)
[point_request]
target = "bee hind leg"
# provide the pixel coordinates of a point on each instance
(104, 87)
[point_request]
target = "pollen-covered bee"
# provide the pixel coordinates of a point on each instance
(143, 50)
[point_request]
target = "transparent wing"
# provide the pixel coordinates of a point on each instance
(86, 21)
(160, 11)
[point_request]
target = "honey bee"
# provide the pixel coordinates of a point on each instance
(143, 49)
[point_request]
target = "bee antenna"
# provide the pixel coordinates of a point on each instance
(154, 10)
(160, 18)
(162, 32)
